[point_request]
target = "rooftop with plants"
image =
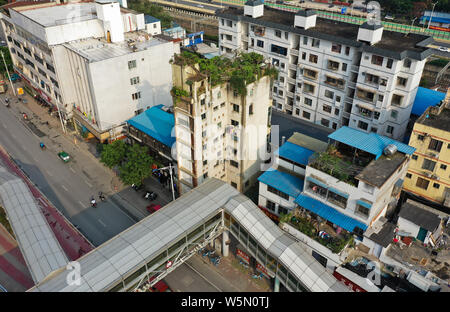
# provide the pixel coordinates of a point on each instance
(240, 71)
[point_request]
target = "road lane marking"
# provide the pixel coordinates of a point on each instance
(82, 205)
(90, 185)
(65, 188)
(49, 173)
(73, 170)
(101, 222)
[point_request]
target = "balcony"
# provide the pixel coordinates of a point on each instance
(294, 52)
(342, 162)
(307, 223)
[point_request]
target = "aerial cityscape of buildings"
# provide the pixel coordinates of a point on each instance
(290, 151)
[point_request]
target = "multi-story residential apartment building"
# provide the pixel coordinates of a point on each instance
(220, 131)
(428, 175)
(93, 60)
(331, 73)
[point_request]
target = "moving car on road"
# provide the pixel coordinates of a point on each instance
(64, 156)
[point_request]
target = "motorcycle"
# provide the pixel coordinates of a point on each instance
(136, 187)
(93, 202)
(150, 195)
(101, 196)
(42, 146)
(25, 116)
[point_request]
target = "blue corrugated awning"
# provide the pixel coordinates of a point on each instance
(328, 213)
(369, 142)
(295, 153)
(338, 192)
(364, 204)
(436, 19)
(156, 123)
(309, 178)
(424, 99)
(282, 181)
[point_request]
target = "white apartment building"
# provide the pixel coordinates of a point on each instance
(331, 73)
(219, 132)
(93, 60)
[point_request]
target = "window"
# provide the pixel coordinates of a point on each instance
(334, 126)
(305, 40)
(373, 129)
(282, 210)
(219, 125)
(344, 66)
(377, 60)
(337, 199)
(306, 115)
(308, 88)
(235, 108)
(270, 205)
(409, 175)
(443, 167)
(329, 94)
(235, 93)
(371, 78)
(37, 58)
(436, 185)
(333, 65)
(325, 122)
(303, 55)
(394, 114)
(204, 134)
(389, 63)
(42, 72)
(422, 183)
(131, 64)
(203, 116)
(428, 164)
(202, 102)
(347, 50)
(380, 98)
(364, 211)
(313, 58)
(278, 49)
(134, 80)
(435, 145)
(414, 157)
(420, 137)
(363, 125)
(336, 48)
(390, 129)
(277, 192)
(336, 111)
(234, 185)
(327, 108)
(234, 163)
(136, 95)
(308, 101)
(250, 109)
(297, 111)
(401, 81)
(278, 33)
(50, 67)
(229, 23)
(338, 98)
(260, 43)
(286, 35)
(234, 123)
(315, 43)
(407, 63)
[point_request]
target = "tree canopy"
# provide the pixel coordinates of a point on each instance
(113, 154)
(138, 165)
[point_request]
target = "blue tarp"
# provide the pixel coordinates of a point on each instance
(370, 142)
(424, 99)
(156, 123)
(328, 213)
(295, 153)
(283, 182)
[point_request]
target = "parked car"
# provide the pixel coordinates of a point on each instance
(153, 208)
(64, 156)
(443, 49)
(161, 286)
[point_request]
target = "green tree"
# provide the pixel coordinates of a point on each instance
(113, 154)
(137, 166)
(8, 61)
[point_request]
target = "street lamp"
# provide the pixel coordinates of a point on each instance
(434, 4)
(412, 23)
(171, 178)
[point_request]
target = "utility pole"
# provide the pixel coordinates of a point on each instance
(434, 4)
(60, 117)
(7, 71)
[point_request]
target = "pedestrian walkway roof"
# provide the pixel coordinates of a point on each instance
(39, 246)
(157, 123)
(329, 213)
(370, 142)
(282, 181)
(424, 99)
(295, 153)
(129, 250)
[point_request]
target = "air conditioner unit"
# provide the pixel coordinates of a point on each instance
(428, 174)
(435, 177)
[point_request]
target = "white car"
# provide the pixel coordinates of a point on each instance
(200, 5)
(443, 49)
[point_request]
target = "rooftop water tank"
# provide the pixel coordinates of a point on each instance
(391, 149)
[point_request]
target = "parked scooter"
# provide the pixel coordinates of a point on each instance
(150, 195)
(101, 196)
(93, 202)
(136, 187)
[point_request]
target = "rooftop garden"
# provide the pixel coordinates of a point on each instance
(338, 165)
(305, 225)
(240, 71)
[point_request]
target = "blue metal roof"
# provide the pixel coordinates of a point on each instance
(150, 19)
(295, 153)
(329, 213)
(424, 99)
(436, 19)
(156, 123)
(370, 142)
(282, 181)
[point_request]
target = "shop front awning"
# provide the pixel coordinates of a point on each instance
(328, 213)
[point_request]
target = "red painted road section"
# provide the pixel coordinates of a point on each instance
(71, 240)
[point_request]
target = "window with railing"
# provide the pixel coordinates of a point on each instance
(435, 145)
(369, 78)
(333, 65)
(339, 83)
(317, 189)
(377, 60)
(308, 88)
(313, 58)
(365, 95)
(337, 199)
(336, 48)
(397, 100)
(310, 73)
(362, 211)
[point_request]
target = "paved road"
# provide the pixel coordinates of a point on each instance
(67, 186)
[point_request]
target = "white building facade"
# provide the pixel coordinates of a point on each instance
(326, 66)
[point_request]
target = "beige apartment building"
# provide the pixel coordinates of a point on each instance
(220, 132)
